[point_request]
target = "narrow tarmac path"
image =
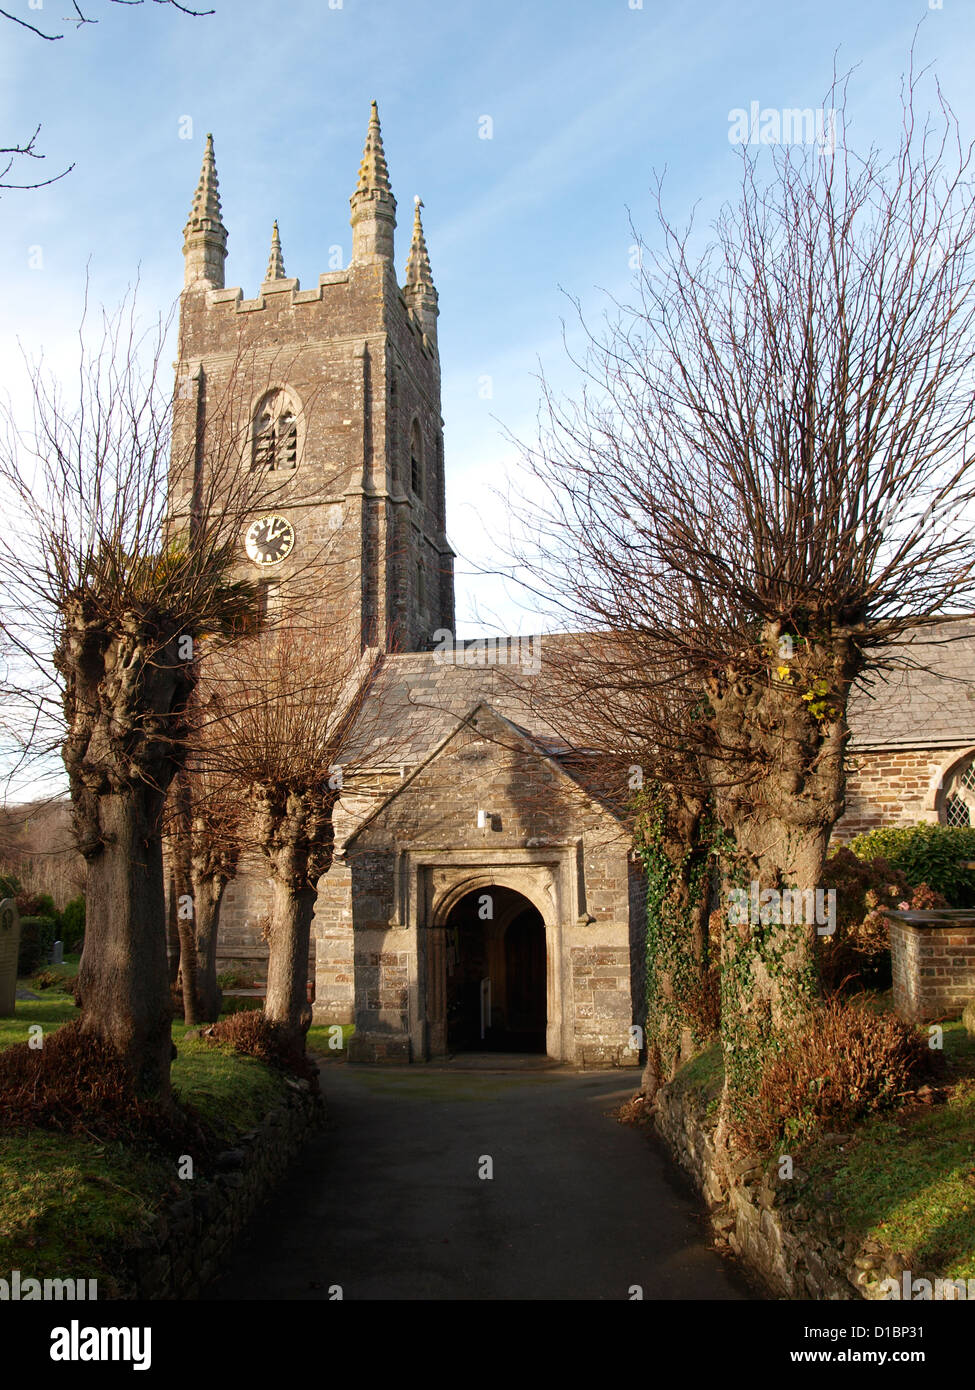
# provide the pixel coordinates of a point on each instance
(388, 1203)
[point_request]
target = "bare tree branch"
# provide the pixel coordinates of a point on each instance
(28, 151)
(765, 481)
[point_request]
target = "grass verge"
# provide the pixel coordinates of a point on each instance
(323, 1041)
(904, 1178)
(69, 1203)
(907, 1179)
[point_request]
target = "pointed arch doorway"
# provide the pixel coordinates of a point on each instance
(495, 977)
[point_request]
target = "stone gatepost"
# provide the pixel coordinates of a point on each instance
(933, 963)
(9, 950)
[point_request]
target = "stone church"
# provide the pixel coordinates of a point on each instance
(483, 895)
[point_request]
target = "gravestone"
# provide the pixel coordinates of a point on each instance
(9, 948)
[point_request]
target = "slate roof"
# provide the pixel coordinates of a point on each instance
(926, 699)
(423, 700)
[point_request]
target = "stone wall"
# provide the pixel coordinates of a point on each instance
(544, 839)
(601, 1003)
(191, 1237)
(798, 1249)
(892, 786)
(933, 963)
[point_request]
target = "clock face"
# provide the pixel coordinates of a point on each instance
(269, 540)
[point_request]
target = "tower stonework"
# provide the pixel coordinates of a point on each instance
(340, 386)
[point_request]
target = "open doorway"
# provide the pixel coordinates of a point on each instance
(496, 985)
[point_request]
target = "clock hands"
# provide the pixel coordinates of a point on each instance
(270, 539)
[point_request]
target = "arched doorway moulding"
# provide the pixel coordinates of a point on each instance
(430, 884)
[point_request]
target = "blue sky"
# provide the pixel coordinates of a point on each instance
(587, 99)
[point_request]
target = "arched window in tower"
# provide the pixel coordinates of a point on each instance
(957, 802)
(275, 432)
(416, 460)
(421, 585)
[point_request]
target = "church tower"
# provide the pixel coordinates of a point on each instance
(340, 386)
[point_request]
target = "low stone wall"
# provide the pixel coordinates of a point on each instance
(798, 1250)
(933, 963)
(379, 1047)
(190, 1238)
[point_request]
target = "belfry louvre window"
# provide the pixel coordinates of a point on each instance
(275, 433)
(416, 462)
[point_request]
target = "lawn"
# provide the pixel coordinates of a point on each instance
(68, 1203)
(322, 1040)
(49, 1012)
(702, 1079)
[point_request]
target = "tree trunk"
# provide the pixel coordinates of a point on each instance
(296, 833)
(185, 899)
(287, 969)
(123, 976)
(126, 687)
(679, 965)
(188, 970)
(207, 897)
(172, 934)
(778, 786)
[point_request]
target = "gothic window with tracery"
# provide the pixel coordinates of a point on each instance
(958, 797)
(276, 432)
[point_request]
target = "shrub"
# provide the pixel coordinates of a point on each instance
(54, 977)
(252, 1034)
(846, 1063)
(237, 976)
(10, 886)
(925, 854)
(857, 955)
(37, 937)
(73, 923)
(238, 1004)
(37, 905)
(77, 1084)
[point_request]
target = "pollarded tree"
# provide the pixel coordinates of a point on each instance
(204, 824)
(215, 847)
(767, 482)
(288, 713)
(120, 553)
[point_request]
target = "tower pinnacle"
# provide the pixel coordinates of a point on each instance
(373, 171)
(373, 205)
(418, 270)
(205, 236)
(419, 290)
(275, 265)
